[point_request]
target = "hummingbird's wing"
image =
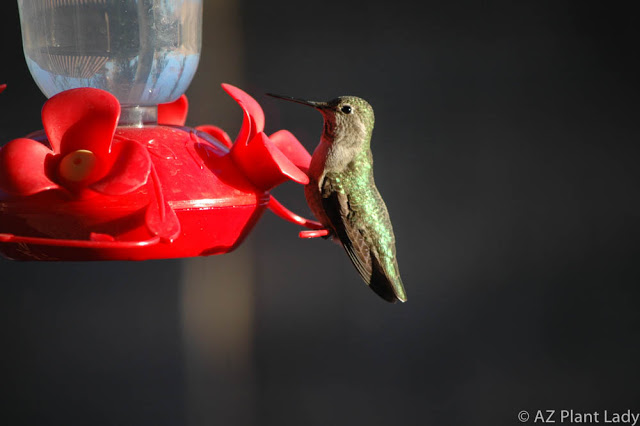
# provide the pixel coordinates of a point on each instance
(336, 207)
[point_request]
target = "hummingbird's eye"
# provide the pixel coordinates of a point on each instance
(346, 109)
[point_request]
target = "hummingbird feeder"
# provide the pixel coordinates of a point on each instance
(115, 174)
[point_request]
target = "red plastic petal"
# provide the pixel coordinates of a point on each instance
(253, 122)
(2, 87)
(263, 163)
(162, 221)
(174, 113)
(83, 118)
(217, 133)
(292, 148)
(129, 172)
(22, 167)
(160, 218)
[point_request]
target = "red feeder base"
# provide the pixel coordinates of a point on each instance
(85, 189)
(214, 204)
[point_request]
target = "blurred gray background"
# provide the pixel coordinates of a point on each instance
(506, 148)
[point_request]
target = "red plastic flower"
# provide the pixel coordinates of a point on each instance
(266, 160)
(174, 113)
(79, 124)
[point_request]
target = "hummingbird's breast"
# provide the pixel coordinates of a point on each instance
(312, 190)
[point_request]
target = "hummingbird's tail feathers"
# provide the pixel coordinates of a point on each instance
(373, 273)
(390, 289)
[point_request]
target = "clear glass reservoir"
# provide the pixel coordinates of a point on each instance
(145, 52)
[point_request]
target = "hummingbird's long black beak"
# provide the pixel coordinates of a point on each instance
(318, 105)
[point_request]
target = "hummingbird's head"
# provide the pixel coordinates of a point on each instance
(348, 115)
(345, 117)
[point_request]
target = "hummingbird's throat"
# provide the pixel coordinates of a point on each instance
(328, 131)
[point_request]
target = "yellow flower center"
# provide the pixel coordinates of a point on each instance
(78, 165)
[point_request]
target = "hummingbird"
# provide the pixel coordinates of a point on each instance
(343, 196)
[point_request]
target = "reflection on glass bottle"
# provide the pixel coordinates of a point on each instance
(145, 52)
